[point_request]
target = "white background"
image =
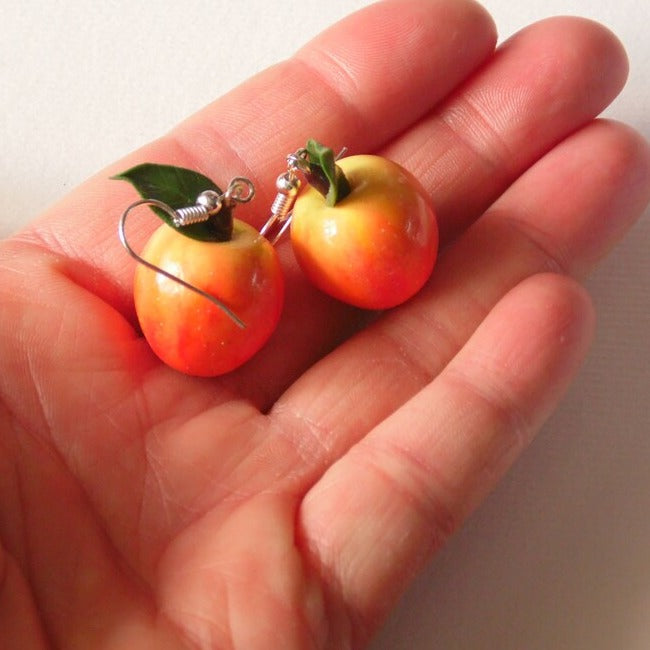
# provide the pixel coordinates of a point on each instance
(559, 556)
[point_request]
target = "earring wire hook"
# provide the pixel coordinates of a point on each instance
(173, 215)
(288, 185)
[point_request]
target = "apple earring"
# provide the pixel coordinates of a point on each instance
(208, 290)
(363, 231)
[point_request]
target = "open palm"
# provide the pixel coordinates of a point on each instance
(288, 504)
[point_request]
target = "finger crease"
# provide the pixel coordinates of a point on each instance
(306, 437)
(350, 107)
(418, 491)
(499, 402)
(475, 131)
(416, 350)
(555, 256)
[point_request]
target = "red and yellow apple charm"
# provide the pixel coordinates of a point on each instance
(208, 293)
(364, 231)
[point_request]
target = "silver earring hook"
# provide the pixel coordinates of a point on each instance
(288, 185)
(173, 214)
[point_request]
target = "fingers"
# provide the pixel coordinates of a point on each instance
(378, 513)
(312, 324)
(541, 85)
(347, 87)
(562, 215)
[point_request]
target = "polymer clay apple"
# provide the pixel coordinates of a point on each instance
(364, 230)
(225, 258)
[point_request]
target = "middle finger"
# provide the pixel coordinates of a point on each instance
(541, 85)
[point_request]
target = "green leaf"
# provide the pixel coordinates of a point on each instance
(325, 175)
(178, 188)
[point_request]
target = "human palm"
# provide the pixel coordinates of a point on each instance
(286, 505)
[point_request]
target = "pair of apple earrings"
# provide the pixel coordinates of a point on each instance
(209, 289)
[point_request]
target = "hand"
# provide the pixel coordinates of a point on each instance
(288, 504)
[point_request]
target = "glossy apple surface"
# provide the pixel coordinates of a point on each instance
(376, 247)
(187, 331)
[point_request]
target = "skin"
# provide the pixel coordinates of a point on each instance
(289, 503)
(184, 329)
(375, 248)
